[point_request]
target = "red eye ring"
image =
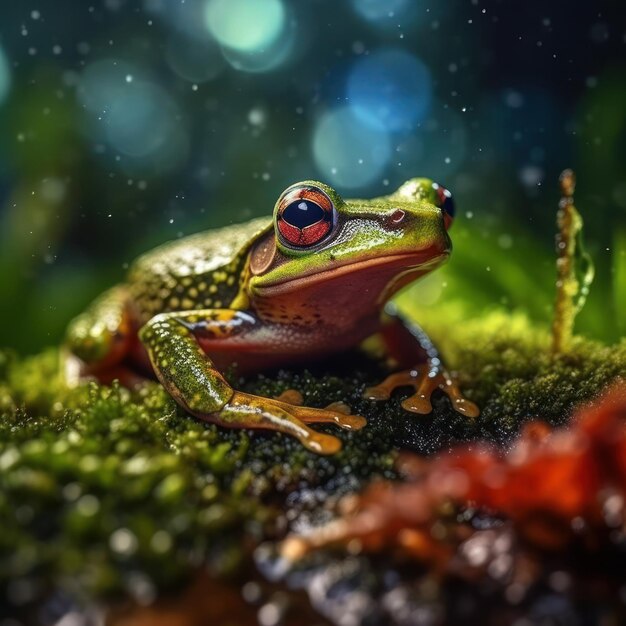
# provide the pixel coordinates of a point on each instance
(304, 216)
(445, 203)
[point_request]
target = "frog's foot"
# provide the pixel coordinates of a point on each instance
(424, 380)
(295, 398)
(247, 411)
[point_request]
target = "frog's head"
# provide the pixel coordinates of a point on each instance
(323, 246)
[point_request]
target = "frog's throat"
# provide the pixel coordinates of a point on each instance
(404, 264)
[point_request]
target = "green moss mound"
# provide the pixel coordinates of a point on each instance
(106, 491)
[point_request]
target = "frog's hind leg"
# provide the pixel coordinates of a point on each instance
(188, 374)
(406, 340)
(98, 341)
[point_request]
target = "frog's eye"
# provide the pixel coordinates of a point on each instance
(304, 216)
(445, 203)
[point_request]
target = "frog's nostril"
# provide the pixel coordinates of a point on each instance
(397, 216)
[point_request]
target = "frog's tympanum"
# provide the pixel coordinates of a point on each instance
(314, 281)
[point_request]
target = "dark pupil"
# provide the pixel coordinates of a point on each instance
(448, 206)
(303, 213)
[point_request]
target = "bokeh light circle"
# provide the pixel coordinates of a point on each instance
(269, 57)
(5, 76)
(102, 81)
(349, 152)
(195, 60)
(437, 150)
(245, 25)
(134, 115)
(140, 120)
(390, 90)
(375, 10)
(186, 17)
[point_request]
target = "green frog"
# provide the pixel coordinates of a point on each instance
(315, 280)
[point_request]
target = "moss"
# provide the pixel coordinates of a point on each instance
(104, 490)
(505, 365)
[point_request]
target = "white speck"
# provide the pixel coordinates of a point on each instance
(251, 592)
(129, 78)
(531, 175)
(256, 116)
(269, 614)
(171, 220)
(161, 541)
(35, 15)
(447, 160)
(57, 49)
(88, 505)
(123, 541)
(514, 99)
(358, 47)
(194, 87)
(505, 241)
(469, 215)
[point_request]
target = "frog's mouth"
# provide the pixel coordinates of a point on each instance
(388, 273)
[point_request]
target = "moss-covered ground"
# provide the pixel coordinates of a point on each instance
(110, 492)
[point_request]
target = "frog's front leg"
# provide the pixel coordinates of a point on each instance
(188, 374)
(407, 342)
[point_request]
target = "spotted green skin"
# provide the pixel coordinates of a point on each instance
(203, 302)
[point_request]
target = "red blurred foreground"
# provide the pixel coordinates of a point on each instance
(552, 489)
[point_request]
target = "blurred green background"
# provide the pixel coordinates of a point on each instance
(127, 123)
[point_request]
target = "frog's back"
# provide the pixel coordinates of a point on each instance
(202, 271)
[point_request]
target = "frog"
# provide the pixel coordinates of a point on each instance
(316, 279)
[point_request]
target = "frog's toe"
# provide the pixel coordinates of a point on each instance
(418, 403)
(425, 381)
(321, 443)
(337, 413)
(291, 396)
(467, 407)
(340, 407)
(384, 390)
(377, 392)
(351, 422)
